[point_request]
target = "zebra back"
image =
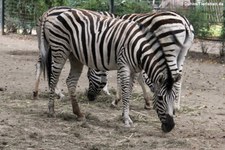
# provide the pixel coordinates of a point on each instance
(174, 32)
(110, 37)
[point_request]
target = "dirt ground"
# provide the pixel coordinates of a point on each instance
(200, 124)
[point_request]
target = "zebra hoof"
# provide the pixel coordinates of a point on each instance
(113, 104)
(81, 117)
(147, 107)
(128, 124)
(61, 97)
(51, 112)
(51, 115)
(35, 95)
(106, 92)
(147, 103)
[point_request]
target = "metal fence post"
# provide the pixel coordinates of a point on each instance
(111, 6)
(2, 16)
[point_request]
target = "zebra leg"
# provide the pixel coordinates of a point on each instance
(54, 69)
(118, 93)
(145, 93)
(52, 85)
(105, 89)
(37, 82)
(37, 79)
(104, 82)
(59, 93)
(97, 81)
(75, 71)
(126, 78)
(177, 86)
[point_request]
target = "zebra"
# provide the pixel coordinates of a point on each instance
(167, 26)
(55, 11)
(97, 79)
(104, 43)
(96, 83)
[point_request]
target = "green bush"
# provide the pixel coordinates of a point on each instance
(23, 12)
(203, 22)
(198, 19)
(223, 30)
(120, 7)
(128, 7)
(95, 5)
(26, 12)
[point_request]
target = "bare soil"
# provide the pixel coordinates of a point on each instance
(24, 124)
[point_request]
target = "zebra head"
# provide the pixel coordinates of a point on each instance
(163, 101)
(97, 81)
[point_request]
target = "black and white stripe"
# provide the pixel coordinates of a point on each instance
(55, 11)
(175, 34)
(97, 78)
(103, 43)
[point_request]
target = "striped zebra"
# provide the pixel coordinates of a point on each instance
(97, 82)
(97, 79)
(104, 43)
(54, 12)
(168, 27)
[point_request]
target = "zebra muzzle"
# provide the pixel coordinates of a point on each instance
(91, 97)
(168, 125)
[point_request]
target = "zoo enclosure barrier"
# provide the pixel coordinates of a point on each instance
(206, 16)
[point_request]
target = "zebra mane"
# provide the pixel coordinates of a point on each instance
(170, 80)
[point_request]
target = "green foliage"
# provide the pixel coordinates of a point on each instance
(127, 7)
(121, 7)
(95, 5)
(223, 30)
(203, 26)
(222, 50)
(198, 18)
(23, 12)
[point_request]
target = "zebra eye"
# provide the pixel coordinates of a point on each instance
(161, 80)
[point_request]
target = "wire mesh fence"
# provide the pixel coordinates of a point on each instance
(214, 10)
(206, 16)
(20, 15)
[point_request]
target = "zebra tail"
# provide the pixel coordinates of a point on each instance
(46, 54)
(38, 29)
(184, 46)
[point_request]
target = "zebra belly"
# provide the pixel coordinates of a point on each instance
(98, 63)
